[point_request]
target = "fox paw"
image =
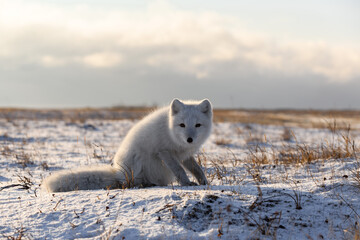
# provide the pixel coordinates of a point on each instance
(193, 184)
(189, 184)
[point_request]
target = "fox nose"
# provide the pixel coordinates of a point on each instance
(189, 140)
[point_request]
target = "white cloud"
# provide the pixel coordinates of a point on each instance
(102, 60)
(50, 61)
(159, 36)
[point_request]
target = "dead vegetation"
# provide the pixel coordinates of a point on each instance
(17, 152)
(281, 117)
(18, 234)
(222, 141)
(261, 151)
(289, 118)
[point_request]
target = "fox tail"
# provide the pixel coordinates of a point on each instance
(97, 177)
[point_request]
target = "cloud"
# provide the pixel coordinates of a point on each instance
(102, 60)
(50, 61)
(159, 37)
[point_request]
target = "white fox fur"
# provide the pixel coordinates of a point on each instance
(154, 152)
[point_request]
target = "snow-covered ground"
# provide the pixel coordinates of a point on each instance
(256, 191)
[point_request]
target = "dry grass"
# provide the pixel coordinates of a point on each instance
(265, 226)
(286, 118)
(341, 145)
(287, 135)
(282, 117)
(356, 174)
(17, 152)
(260, 152)
(79, 115)
(18, 234)
(222, 142)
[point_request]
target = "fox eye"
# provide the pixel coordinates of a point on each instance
(198, 125)
(182, 125)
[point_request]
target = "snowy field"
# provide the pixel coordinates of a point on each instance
(266, 182)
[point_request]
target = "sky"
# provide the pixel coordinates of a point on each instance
(239, 54)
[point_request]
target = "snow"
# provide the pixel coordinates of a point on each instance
(234, 206)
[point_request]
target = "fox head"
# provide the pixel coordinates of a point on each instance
(190, 122)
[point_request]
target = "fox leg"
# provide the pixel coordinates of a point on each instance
(174, 165)
(191, 165)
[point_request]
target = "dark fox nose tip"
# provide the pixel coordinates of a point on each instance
(189, 140)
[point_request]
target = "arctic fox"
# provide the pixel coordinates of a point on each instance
(154, 152)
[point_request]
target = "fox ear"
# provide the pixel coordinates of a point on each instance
(205, 107)
(176, 106)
